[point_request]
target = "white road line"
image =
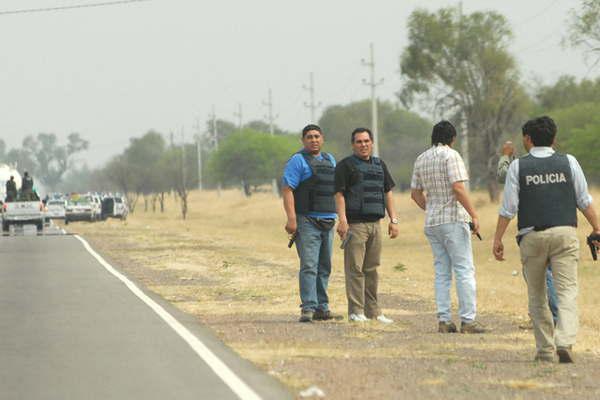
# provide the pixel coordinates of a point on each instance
(241, 389)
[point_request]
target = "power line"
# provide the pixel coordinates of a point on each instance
(71, 7)
(530, 18)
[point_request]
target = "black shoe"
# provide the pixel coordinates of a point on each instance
(564, 355)
(446, 327)
(306, 316)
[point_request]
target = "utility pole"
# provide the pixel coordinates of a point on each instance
(238, 114)
(464, 143)
(183, 166)
(270, 117)
(373, 83)
(271, 120)
(199, 152)
(311, 105)
(215, 138)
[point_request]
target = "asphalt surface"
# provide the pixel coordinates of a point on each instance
(69, 329)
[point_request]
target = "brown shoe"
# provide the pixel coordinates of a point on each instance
(446, 327)
(544, 357)
(564, 355)
(473, 327)
(306, 316)
(320, 315)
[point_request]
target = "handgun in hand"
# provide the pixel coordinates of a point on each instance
(292, 239)
(590, 241)
(472, 227)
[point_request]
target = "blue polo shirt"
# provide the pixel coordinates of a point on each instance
(297, 171)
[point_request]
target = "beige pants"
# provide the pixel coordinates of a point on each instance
(558, 247)
(361, 258)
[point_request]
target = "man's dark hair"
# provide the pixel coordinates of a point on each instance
(443, 132)
(541, 130)
(361, 130)
(26, 173)
(311, 127)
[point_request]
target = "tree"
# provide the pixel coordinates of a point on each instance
(251, 158)
(178, 167)
(567, 92)
(2, 150)
(584, 28)
(141, 155)
(43, 157)
(262, 126)
(402, 134)
(121, 174)
(461, 66)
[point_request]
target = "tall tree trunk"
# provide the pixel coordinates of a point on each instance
(162, 202)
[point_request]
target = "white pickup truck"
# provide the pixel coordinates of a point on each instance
(23, 213)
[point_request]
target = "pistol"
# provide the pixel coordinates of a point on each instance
(472, 227)
(590, 241)
(292, 239)
(346, 240)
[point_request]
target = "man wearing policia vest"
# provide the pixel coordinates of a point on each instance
(544, 189)
(308, 200)
(363, 189)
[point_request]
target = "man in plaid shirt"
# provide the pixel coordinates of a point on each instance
(438, 187)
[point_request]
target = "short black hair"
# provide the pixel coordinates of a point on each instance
(311, 127)
(443, 132)
(361, 130)
(541, 130)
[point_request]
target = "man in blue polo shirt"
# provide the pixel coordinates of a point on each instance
(308, 200)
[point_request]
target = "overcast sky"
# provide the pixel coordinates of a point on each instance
(115, 72)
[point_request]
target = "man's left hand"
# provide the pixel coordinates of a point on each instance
(498, 250)
(393, 230)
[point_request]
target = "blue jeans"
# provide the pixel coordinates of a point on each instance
(452, 253)
(552, 297)
(314, 248)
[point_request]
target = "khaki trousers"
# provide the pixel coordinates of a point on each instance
(362, 256)
(558, 247)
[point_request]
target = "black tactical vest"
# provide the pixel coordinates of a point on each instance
(366, 197)
(27, 184)
(316, 194)
(546, 192)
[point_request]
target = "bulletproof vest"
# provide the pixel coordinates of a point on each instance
(11, 186)
(316, 194)
(546, 192)
(27, 184)
(366, 196)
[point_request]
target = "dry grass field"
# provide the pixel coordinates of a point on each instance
(228, 264)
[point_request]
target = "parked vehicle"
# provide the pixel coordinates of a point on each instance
(114, 207)
(79, 209)
(21, 213)
(56, 209)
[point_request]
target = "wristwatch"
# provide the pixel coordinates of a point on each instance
(394, 221)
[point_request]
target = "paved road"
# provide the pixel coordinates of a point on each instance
(69, 329)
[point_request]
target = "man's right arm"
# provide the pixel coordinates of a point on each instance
(290, 209)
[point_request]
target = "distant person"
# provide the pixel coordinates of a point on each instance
(363, 187)
(27, 186)
(438, 187)
(508, 155)
(11, 189)
(545, 189)
(310, 208)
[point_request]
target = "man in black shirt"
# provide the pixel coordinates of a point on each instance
(363, 194)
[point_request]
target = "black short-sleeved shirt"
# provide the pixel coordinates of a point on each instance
(343, 181)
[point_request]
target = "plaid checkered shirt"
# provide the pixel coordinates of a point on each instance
(434, 172)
